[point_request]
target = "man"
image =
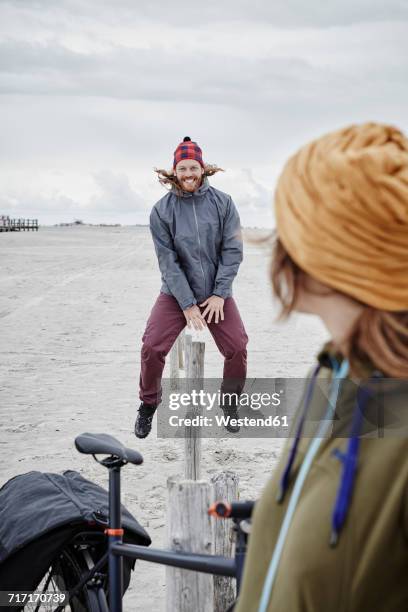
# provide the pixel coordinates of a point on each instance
(197, 237)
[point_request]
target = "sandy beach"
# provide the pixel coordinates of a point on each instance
(73, 306)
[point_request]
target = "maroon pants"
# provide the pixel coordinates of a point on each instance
(165, 323)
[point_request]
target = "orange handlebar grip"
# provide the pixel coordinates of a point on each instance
(220, 509)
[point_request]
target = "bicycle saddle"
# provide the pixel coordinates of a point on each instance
(104, 444)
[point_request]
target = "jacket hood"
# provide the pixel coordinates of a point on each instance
(329, 357)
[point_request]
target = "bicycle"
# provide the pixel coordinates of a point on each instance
(90, 568)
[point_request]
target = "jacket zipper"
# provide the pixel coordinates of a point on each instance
(199, 245)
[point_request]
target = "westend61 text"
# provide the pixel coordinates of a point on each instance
(209, 400)
(223, 421)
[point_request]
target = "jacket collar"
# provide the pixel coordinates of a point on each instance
(199, 192)
(329, 356)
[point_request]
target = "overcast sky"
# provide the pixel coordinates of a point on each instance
(94, 94)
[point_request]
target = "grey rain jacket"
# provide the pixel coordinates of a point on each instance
(198, 242)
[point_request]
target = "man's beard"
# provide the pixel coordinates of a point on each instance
(190, 186)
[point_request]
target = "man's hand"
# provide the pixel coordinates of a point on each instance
(215, 307)
(194, 318)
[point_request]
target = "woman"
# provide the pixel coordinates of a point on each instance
(330, 530)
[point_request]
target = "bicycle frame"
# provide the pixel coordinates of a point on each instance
(210, 564)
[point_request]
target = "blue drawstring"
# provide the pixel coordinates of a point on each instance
(284, 482)
(349, 460)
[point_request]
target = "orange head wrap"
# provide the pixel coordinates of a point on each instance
(342, 213)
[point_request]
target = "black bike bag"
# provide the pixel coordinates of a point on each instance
(40, 513)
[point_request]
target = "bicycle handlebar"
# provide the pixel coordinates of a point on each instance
(224, 509)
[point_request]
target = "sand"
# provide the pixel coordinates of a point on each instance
(73, 306)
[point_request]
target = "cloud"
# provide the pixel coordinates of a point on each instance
(111, 194)
(248, 193)
(153, 75)
(272, 69)
(115, 197)
(94, 95)
(24, 202)
(185, 14)
(115, 194)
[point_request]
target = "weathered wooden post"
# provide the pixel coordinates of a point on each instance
(225, 487)
(189, 529)
(195, 353)
(189, 526)
(180, 349)
(188, 340)
(176, 363)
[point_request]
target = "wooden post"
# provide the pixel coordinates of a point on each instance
(225, 486)
(195, 382)
(189, 529)
(180, 349)
(187, 352)
(174, 369)
(189, 526)
(177, 362)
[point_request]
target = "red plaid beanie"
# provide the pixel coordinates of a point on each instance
(188, 150)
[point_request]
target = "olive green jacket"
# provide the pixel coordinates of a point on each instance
(368, 569)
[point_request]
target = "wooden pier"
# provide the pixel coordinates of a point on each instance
(17, 225)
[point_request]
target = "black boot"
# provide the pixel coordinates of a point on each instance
(144, 420)
(230, 409)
